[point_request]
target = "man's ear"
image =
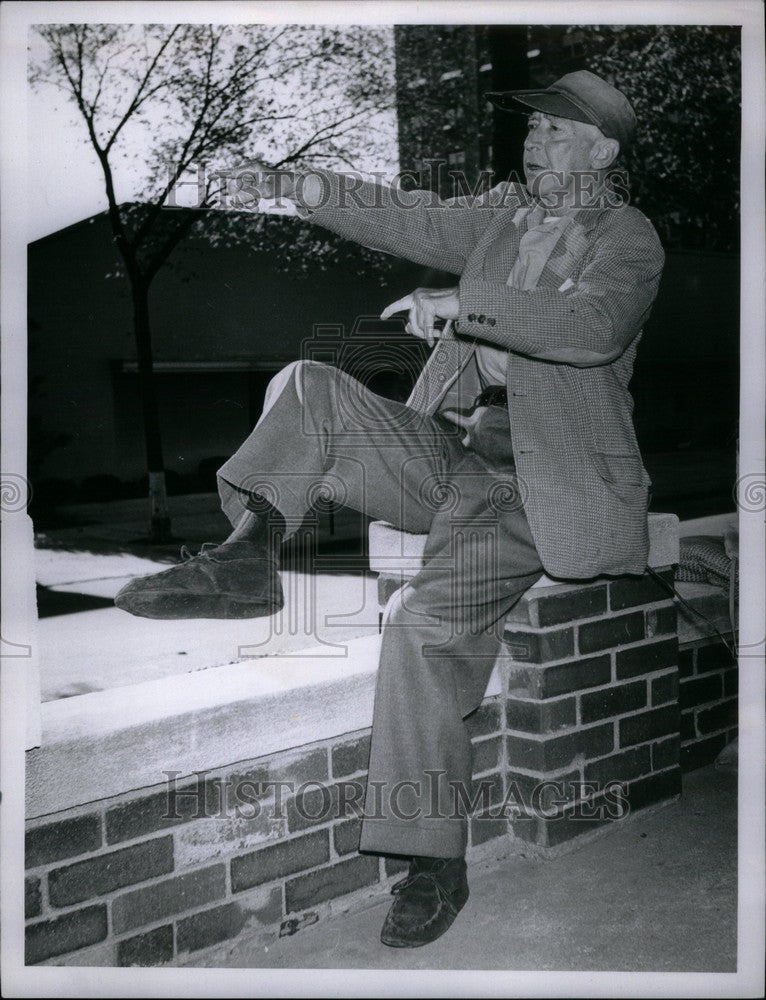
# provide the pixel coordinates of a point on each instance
(604, 153)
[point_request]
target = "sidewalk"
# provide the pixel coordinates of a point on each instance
(659, 895)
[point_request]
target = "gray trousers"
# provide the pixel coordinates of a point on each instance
(323, 433)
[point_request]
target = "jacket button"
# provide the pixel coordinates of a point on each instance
(472, 317)
(491, 321)
(481, 318)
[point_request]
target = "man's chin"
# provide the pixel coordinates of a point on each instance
(546, 190)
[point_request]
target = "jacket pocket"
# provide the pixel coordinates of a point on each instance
(624, 474)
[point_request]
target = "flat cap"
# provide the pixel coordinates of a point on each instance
(582, 97)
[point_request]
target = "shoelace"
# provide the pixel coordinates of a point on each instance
(186, 555)
(429, 876)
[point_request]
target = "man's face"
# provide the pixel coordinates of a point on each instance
(556, 146)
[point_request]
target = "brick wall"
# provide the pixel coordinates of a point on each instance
(122, 882)
(592, 699)
(708, 699)
(589, 697)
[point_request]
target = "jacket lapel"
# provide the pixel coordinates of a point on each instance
(446, 362)
(450, 356)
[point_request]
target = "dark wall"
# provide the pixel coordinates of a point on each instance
(211, 305)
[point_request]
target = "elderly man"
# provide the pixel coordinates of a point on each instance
(516, 453)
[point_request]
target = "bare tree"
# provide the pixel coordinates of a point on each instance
(165, 100)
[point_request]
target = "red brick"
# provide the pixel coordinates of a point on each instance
(665, 688)
(609, 632)
(346, 836)
(327, 883)
(649, 725)
(556, 752)
(563, 678)
(700, 690)
(539, 647)
(324, 804)
(629, 593)
(688, 727)
(107, 872)
(286, 858)
(292, 770)
(32, 899)
(530, 829)
(78, 929)
(485, 720)
(612, 701)
(623, 766)
(595, 741)
(487, 790)
(211, 926)
(526, 792)
(686, 662)
(713, 657)
(666, 753)
(540, 716)
(721, 716)
(542, 609)
(152, 948)
(654, 788)
(350, 757)
(700, 753)
(661, 621)
(647, 659)
(396, 865)
(571, 825)
(191, 800)
(65, 838)
(484, 828)
(171, 896)
(486, 754)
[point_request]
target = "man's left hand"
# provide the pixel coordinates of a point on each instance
(425, 306)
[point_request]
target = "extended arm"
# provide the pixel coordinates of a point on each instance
(416, 225)
(412, 224)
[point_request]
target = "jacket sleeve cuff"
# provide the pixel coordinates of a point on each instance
(481, 316)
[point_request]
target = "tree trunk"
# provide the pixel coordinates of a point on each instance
(158, 497)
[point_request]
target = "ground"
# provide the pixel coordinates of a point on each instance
(659, 894)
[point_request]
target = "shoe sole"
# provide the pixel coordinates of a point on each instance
(165, 606)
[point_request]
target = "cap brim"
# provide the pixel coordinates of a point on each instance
(549, 102)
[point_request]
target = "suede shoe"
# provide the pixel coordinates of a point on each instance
(428, 900)
(233, 580)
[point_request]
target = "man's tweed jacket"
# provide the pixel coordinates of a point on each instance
(571, 351)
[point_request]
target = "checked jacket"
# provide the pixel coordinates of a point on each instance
(571, 343)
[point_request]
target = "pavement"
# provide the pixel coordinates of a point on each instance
(659, 894)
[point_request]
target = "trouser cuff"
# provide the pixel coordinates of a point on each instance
(435, 838)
